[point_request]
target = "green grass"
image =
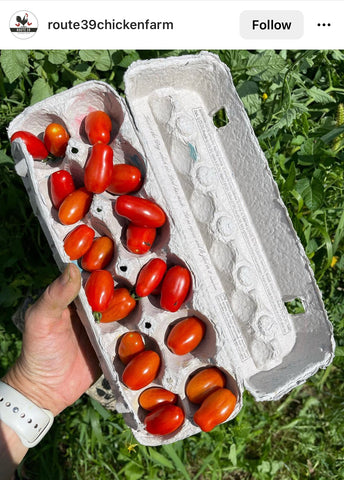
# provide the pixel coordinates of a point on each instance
(294, 100)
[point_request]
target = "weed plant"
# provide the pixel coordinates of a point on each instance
(295, 102)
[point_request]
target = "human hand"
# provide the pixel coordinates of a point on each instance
(57, 363)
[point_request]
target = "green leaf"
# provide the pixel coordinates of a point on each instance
(101, 58)
(290, 180)
(266, 65)
(5, 159)
(319, 96)
(57, 57)
(128, 59)
(160, 459)
(171, 452)
(14, 63)
(40, 91)
(312, 191)
(233, 454)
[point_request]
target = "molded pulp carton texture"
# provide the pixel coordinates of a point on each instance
(226, 223)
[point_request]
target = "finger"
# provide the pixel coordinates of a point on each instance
(58, 295)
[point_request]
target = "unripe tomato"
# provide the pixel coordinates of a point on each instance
(125, 179)
(99, 254)
(61, 184)
(186, 335)
(150, 276)
(98, 127)
(98, 169)
(99, 290)
(34, 145)
(141, 370)
(139, 240)
(140, 211)
(155, 397)
(56, 139)
(121, 304)
(130, 345)
(175, 287)
(164, 420)
(75, 206)
(204, 383)
(78, 241)
(215, 409)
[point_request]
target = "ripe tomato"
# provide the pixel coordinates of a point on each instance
(121, 304)
(34, 145)
(75, 206)
(141, 370)
(139, 240)
(99, 290)
(150, 277)
(186, 335)
(61, 184)
(164, 420)
(125, 179)
(56, 139)
(78, 241)
(215, 409)
(204, 383)
(175, 287)
(99, 254)
(98, 169)
(98, 127)
(130, 345)
(140, 211)
(155, 397)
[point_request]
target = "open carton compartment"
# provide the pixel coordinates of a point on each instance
(226, 223)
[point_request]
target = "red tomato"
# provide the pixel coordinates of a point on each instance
(98, 169)
(78, 241)
(125, 179)
(203, 383)
(130, 345)
(150, 277)
(164, 420)
(56, 139)
(175, 287)
(34, 145)
(121, 304)
(75, 206)
(99, 254)
(141, 370)
(186, 335)
(99, 290)
(139, 240)
(60, 185)
(155, 397)
(140, 211)
(98, 127)
(215, 409)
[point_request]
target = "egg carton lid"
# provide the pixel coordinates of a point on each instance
(173, 101)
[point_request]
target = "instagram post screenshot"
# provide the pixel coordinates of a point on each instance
(172, 240)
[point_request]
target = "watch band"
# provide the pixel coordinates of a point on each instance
(28, 420)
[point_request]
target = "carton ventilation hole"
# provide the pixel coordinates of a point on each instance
(75, 150)
(220, 118)
(148, 325)
(295, 306)
(123, 268)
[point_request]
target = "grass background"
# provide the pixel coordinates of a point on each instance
(295, 102)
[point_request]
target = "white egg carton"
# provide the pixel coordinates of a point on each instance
(226, 223)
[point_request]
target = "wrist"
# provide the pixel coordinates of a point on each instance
(33, 391)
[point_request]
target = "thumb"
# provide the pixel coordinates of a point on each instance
(58, 294)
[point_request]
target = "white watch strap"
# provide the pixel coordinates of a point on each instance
(29, 421)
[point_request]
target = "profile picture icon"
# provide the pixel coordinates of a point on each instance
(23, 24)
